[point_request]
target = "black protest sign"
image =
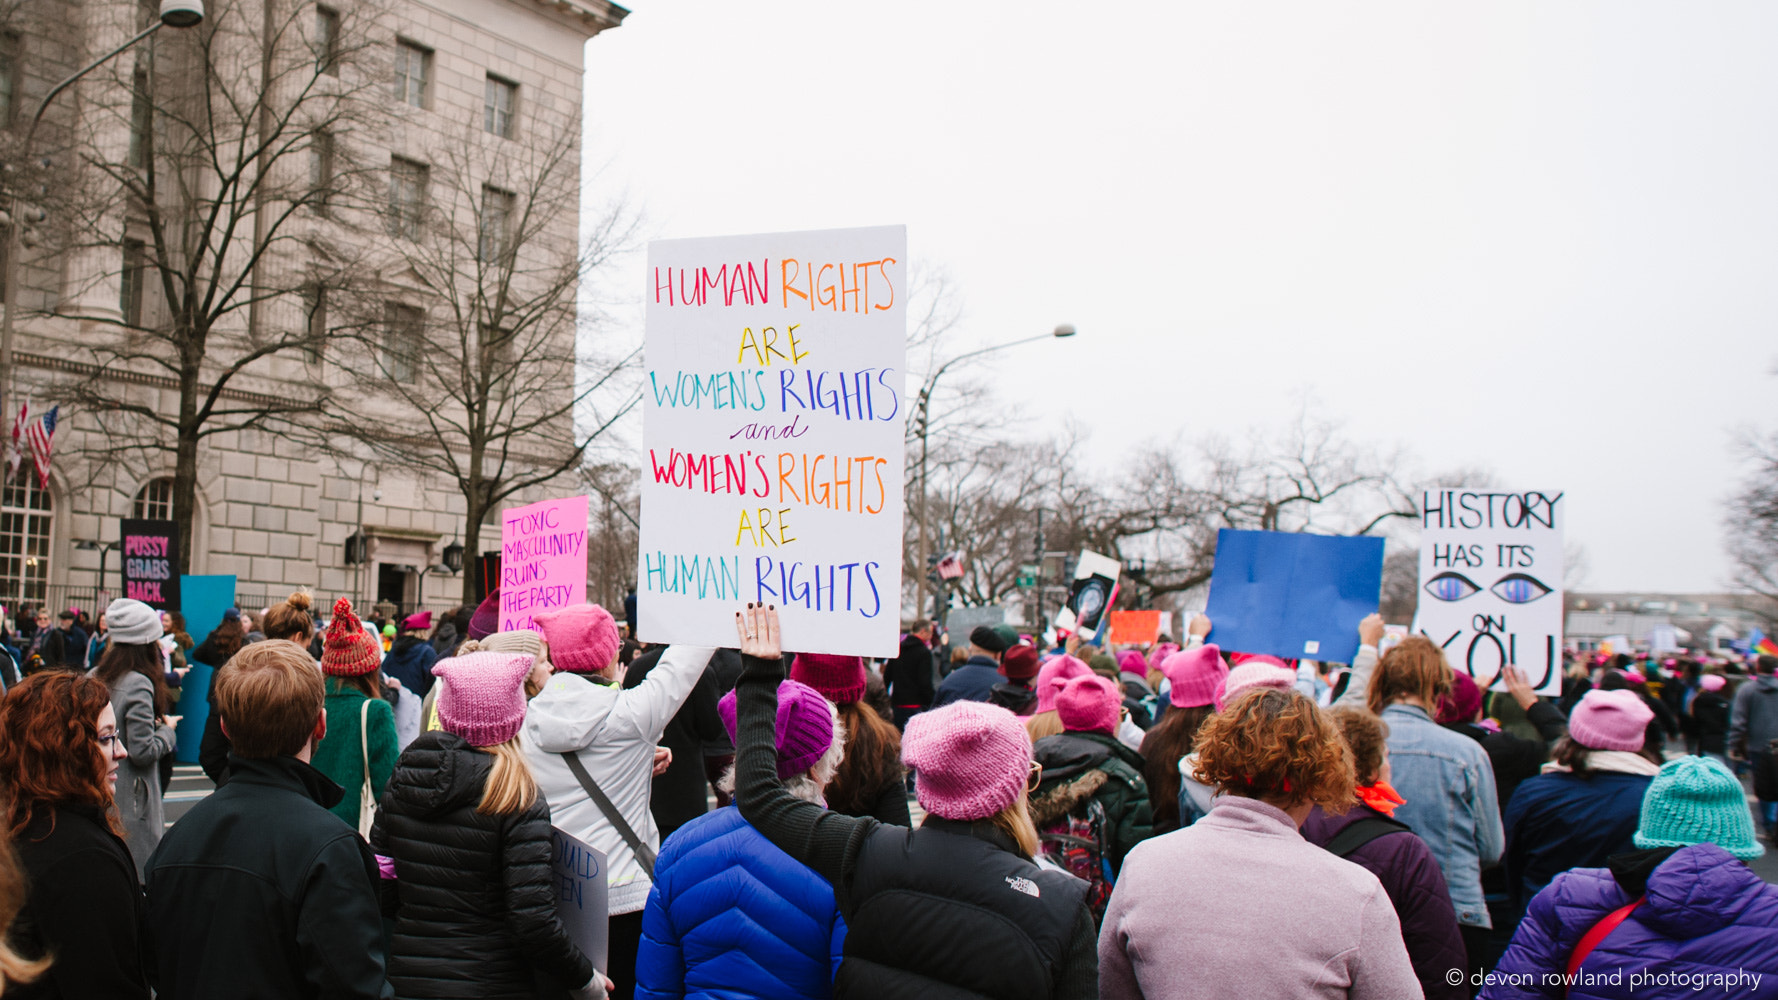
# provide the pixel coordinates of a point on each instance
(151, 562)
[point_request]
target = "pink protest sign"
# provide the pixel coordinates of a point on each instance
(542, 560)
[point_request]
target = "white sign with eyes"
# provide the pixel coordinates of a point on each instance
(1491, 582)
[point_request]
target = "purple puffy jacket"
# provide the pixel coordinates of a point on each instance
(1706, 915)
(1411, 877)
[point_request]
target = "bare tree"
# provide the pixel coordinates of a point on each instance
(472, 327)
(1752, 521)
(216, 184)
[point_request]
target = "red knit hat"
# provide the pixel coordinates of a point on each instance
(1019, 663)
(348, 651)
(486, 620)
(840, 679)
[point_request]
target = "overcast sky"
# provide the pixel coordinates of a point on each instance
(1531, 237)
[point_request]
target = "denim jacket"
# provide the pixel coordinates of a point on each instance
(1449, 787)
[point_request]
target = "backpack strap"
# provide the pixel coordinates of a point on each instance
(1597, 934)
(1361, 832)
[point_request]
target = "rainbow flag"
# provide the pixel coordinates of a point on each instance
(1759, 642)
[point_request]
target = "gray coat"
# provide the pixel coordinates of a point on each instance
(138, 778)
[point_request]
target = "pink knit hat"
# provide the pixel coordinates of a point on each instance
(1194, 675)
(1089, 704)
(483, 699)
(1131, 662)
(970, 759)
(805, 725)
(1610, 720)
(840, 679)
(1159, 654)
(1254, 674)
(1712, 682)
(1055, 672)
(582, 639)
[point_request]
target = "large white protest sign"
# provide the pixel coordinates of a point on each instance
(1491, 582)
(774, 402)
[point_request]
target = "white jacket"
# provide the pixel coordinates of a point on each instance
(614, 733)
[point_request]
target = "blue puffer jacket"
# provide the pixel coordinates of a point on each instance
(732, 917)
(1706, 915)
(1559, 821)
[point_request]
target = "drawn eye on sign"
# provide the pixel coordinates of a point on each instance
(1513, 588)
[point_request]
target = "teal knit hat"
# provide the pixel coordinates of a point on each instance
(1696, 800)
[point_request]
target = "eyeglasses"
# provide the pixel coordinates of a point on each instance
(1035, 778)
(111, 742)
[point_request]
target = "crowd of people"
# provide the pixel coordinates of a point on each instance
(1164, 820)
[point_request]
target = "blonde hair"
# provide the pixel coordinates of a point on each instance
(511, 786)
(1044, 724)
(1015, 822)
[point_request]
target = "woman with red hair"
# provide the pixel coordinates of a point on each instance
(59, 752)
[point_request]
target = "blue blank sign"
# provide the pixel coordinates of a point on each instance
(1293, 596)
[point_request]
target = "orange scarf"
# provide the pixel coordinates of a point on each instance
(1380, 797)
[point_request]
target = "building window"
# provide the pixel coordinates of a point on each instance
(327, 40)
(407, 197)
(315, 323)
(320, 169)
(154, 502)
(403, 327)
(413, 65)
(141, 118)
(499, 100)
(9, 78)
(496, 223)
(135, 273)
(26, 519)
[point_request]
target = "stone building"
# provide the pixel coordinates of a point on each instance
(277, 510)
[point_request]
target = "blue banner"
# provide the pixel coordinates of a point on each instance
(203, 599)
(1293, 596)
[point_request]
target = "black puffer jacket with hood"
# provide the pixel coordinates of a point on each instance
(472, 902)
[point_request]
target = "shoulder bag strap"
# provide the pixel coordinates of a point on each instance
(1597, 934)
(644, 855)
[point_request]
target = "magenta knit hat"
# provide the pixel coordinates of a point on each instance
(1254, 674)
(1610, 720)
(582, 639)
(1055, 672)
(1462, 702)
(840, 679)
(1090, 704)
(483, 699)
(1194, 675)
(486, 620)
(1131, 662)
(805, 725)
(970, 759)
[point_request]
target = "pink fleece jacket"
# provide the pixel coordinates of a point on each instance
(1239, 905)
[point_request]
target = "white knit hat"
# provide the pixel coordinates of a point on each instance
(132, 622)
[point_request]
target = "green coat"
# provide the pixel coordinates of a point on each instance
(1081, 766)
(340, 757)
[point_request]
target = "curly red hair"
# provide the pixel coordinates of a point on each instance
(1277, 746)
(49, 747)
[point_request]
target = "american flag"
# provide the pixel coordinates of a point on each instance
(951, 566)
(42, 435)
(15, 456)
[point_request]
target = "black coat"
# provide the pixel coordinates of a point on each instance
(682, 793)
(260, 892)
(85, 906)
(909, 675)
(472, 898)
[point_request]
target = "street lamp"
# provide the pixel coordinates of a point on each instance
(104, 549)
(173, 14)
(921, 406)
